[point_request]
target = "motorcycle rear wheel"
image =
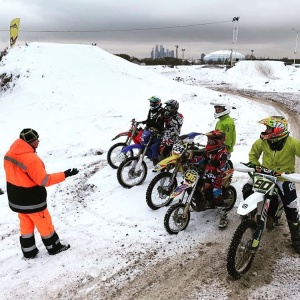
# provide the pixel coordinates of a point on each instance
(240, 256)
(229, 197)
(114, 152)
(174, 220)
(126, 174)
(159, 190)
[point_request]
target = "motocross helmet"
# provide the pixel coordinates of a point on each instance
(279, 127)
(171, 108)
(215, 140)
(225, 109)
(155, 102)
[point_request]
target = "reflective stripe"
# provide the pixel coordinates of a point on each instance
(49, 236)
(15, 162)
(28, 249)
(44, 182)
(22, 207)
(26, 236)
(52, 246)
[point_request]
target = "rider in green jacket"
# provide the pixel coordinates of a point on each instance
(225, 124)
(278, 151)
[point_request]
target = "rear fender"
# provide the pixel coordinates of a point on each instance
(250, 203)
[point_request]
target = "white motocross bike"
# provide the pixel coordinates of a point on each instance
(254, 213)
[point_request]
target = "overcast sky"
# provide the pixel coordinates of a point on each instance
(264, 26)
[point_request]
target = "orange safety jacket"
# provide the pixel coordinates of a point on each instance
(26, 178)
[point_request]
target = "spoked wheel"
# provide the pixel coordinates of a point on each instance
(240, 256)
(159, 190)
(127, 174)
(175, 220)
(229, 197)
(115, 156)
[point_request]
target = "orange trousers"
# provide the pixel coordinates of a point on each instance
(41, 220)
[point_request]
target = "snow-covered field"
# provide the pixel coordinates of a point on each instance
(78, 98)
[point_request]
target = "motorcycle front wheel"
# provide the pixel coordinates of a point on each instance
(127, 174)
(159, 190)
(115, 156)
(240, 256)
(174, 220)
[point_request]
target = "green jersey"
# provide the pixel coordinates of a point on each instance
(226, 125)
(279, 161)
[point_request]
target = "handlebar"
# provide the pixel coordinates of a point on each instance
(257, 169)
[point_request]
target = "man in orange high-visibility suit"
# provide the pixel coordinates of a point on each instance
(26, 180)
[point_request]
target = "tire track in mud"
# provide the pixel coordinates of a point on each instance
(197, 273)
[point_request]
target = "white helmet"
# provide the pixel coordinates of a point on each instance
(226, 111)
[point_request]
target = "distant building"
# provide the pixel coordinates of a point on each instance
(161, 52)
(223, 56)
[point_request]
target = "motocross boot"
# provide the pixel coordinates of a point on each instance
(223, 218)
(58, 248)
(295, 235)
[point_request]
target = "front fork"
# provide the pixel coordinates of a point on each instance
(190, 197)
(260, 224)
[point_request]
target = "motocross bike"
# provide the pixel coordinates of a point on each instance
(256, 215)
(196, 195)
(114, 155)
(133, 170)
(180, 160)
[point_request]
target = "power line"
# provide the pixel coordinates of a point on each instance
(120, 30)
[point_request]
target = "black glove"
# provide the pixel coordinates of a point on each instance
(250, 165)
(71, 172)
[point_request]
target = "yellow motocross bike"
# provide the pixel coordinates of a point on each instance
(183, 157)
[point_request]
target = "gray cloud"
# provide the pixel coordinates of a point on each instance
(264, 26)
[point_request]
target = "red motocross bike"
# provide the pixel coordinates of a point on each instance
(114, 154)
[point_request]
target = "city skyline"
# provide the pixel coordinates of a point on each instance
(161, 52)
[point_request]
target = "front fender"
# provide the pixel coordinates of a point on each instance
(126, 133)
(163, 163)
(250, 203)
(131, 147)
(178, 190)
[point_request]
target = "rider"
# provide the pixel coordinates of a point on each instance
(173, 122)
(278, 151)
(215, 165)
(155, 120)
(225, 124)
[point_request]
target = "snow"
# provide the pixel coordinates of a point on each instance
(78, 98)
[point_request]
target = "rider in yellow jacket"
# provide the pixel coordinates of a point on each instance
(279, 151)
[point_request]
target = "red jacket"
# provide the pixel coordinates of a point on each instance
(27, 178)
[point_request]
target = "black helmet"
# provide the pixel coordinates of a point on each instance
(171, 107)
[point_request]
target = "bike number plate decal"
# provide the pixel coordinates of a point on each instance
(262, 184)
(190, 177)
(177, 149)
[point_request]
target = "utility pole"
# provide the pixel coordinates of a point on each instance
(295, 52)
(176, 46)
(182, 55)
(234, 39)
